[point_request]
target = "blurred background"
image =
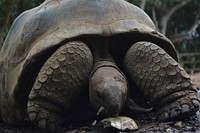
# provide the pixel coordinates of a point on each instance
(179, 20)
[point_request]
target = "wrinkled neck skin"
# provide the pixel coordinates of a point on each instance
(108, 85)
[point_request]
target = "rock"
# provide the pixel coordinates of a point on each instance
(169, 130)
(178, 124)
(121, 123)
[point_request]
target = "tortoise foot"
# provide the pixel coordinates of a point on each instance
(162, 81)
(42, 117)
(185, 106)
(59, 84)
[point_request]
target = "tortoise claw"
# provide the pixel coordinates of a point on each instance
(60, 82)
(180, 109)
(43, 118)
(162, 81)
(137, 108)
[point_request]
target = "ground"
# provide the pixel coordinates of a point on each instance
(146, 123)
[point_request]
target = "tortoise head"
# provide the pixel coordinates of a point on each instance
(108, 90)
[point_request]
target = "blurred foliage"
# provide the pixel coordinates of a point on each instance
(180, 22)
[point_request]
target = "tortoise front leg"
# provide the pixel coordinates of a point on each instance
(60, 82)
(162, 80)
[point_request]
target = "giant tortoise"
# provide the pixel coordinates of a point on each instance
(107, 50)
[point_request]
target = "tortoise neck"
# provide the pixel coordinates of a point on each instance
(101, 51)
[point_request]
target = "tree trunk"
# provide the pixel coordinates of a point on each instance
(9, 4)
(164, 20)
(142, 4)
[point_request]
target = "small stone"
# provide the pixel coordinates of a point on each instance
(178, 124)
(169, 130)
(120, 123)
(189, 128)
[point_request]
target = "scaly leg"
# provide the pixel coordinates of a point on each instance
(59, 84)
(162, 80)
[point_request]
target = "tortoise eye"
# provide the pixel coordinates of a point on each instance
(100, 94)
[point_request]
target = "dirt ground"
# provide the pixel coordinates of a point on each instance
(146, 123)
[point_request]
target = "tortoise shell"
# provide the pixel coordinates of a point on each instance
(38, 32)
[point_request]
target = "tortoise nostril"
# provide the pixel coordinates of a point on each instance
(100, 94)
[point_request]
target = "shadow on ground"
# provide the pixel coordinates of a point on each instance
(146, 123)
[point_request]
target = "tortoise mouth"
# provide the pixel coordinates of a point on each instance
(106, 110)
(101, 109)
